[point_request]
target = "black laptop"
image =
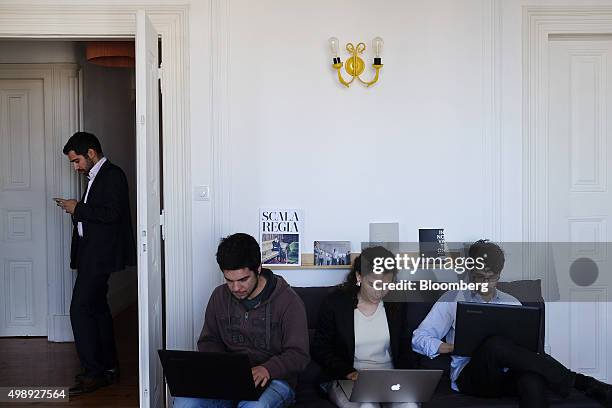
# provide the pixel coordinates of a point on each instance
(478, 321)
(209, 375)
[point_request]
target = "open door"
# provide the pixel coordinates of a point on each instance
(149, 233)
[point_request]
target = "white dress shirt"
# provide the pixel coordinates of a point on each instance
(91, 176)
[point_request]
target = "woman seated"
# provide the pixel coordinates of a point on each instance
(357, 330)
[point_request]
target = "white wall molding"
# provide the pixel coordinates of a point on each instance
(113, 20)
(221, 166)
(538, 24)
(492, 122)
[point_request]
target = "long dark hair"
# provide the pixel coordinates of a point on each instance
(364, 265)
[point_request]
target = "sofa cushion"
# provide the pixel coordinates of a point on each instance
(308, 393)
(313, 297)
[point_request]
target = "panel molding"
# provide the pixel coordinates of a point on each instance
(11, 216)
(221, 166)
(580, 300)
(16, 150)
(14, 270)
(598, 182)
(492, 134)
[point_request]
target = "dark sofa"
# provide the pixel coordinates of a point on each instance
(308, 393)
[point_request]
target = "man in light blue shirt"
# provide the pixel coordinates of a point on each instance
(498, 367)
(440, 324)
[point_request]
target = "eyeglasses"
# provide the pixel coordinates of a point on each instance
(488, 278)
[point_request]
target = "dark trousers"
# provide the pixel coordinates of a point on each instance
(92, 322)
(528, 376)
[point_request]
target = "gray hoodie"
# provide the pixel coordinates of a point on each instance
(274, 334)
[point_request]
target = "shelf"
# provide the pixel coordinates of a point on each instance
(308, 263)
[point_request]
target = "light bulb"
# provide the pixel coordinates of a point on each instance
(333, 45)
(377, 44)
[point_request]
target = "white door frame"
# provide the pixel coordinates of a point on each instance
(61, 112)
(18, 20)
(539, 22)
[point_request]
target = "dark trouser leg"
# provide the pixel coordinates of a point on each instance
(86, 311)
(482, 377)
(531, 389)
(106, 332)
(496, 353)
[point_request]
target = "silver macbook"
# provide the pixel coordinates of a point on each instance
(392, 385)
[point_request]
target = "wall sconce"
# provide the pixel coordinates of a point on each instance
(354, 64)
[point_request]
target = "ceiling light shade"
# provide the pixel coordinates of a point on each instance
(118, 54)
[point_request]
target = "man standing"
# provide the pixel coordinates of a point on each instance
(102, 243)
(257, 313)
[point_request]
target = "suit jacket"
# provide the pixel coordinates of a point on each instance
(108, 242)
(333, 346)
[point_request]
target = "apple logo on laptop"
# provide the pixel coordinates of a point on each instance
(395, 387)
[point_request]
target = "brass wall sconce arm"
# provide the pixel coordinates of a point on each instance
(355, 65)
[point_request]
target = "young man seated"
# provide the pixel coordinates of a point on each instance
(498, 367)
(257, 313)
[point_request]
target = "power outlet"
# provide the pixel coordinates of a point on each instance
(201, 193)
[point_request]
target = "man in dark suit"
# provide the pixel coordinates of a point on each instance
(102, 243)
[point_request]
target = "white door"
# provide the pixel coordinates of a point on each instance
(149, 232)
(580, 201)
(23, 264)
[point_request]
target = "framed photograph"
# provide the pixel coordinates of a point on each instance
(328, 253)
(279, 232)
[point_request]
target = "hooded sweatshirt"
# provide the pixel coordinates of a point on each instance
(274, 334)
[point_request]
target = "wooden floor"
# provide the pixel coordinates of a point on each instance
(36, 362)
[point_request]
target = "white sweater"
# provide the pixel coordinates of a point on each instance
(372, 341)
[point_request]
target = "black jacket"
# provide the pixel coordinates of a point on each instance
(333, 346)
(108, 240)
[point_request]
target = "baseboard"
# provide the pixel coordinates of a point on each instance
(60, 329)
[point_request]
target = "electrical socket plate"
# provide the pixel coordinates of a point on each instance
(201, 193)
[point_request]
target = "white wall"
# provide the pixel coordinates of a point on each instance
(390, 151)
(418, 133)
(37, 52)
(412, 149)
(409, 149)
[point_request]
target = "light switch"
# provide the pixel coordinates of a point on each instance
(201, 193)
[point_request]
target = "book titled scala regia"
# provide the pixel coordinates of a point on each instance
(279, 236)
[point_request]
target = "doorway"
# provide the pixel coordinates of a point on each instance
(118, 21)
(580, 197)
(567, 172)
(89, 97)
